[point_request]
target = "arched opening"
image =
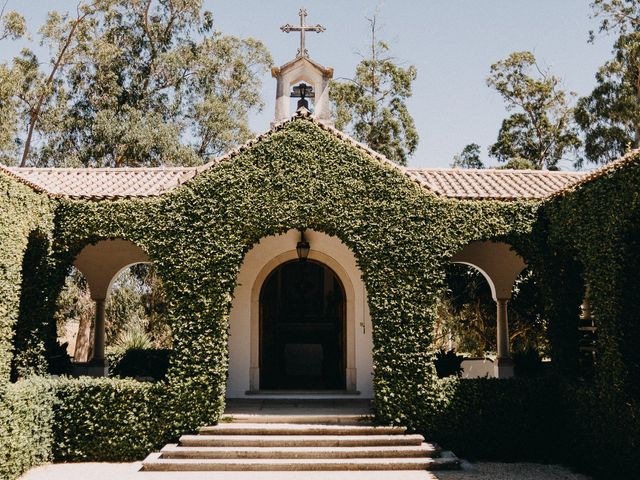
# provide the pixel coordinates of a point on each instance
(500, 265)
(244, 319)
(111, 303)
(467, 325)
(137, 338)
(302, 328)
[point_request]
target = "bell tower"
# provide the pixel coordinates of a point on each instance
(302, 78)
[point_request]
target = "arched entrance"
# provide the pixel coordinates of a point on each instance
(302, 328)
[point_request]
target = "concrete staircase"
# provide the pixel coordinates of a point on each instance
(285, 443)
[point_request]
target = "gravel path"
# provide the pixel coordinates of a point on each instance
(510, 471)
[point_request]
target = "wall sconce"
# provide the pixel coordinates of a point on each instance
(302, 247)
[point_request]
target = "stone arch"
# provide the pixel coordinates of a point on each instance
(500, 265)
(100, 263)
(259, 262)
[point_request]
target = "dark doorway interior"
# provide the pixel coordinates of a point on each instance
(302, 330)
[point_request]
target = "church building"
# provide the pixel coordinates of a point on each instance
(299, 316)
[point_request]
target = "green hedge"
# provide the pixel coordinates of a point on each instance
(26, 426)
(108, 420)
(501, 420)
(87, 419)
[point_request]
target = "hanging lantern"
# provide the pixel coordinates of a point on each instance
(303, 247)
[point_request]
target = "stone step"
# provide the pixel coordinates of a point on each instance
(324, 419)
(298, 429)
(299, 440)
(155, 462)
(423, 450)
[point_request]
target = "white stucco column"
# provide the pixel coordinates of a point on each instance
(99, 331)
(504, 364)
(503, 328)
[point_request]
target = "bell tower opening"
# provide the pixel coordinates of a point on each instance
(302, 78)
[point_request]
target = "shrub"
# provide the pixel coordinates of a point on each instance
(527, 363)
(136, 363)
(448, 364)
(26, 426)
(101, 419)
(501, 420)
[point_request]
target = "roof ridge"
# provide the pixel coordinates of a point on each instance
(628, 157)
(6, 170)
(304, 114)
(497, 170)
(160, 168)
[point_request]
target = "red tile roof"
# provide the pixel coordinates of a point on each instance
(495, 184)
(105, 182)
(111, 183)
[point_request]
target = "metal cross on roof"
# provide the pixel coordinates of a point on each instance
(302, 51)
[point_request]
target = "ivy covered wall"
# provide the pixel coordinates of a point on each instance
(303, 176)
(26, 222)
(300, 176)
(591, 237)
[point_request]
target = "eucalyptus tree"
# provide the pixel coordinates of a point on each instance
(12, 27)
(372, 105)
(610, 115)
(469, 157)
(541, 129)
(137, 82)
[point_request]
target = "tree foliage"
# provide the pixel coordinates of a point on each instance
(610, 116)
(372, 105)
(621, 16)
(541, 128)
(468, 158)
(132, 82)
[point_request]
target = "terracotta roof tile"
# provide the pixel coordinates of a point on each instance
(454, 183)
(495, 184)
(105, 182)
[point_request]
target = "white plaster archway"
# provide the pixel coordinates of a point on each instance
(100, 263)
(500, 265)
(244, 332)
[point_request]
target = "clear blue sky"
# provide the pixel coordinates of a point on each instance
(451, 42)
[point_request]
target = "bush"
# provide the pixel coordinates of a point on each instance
(448, 364)
(26, 426)
(101, 419)
(606, 432)
(528, 363)
(501, 420)
(142, 363)
(87, 419)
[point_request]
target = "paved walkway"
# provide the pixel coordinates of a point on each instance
(130, 471)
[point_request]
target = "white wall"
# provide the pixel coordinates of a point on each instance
(478, 368)
(244, 340)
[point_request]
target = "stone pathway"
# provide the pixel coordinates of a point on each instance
(130, 471)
